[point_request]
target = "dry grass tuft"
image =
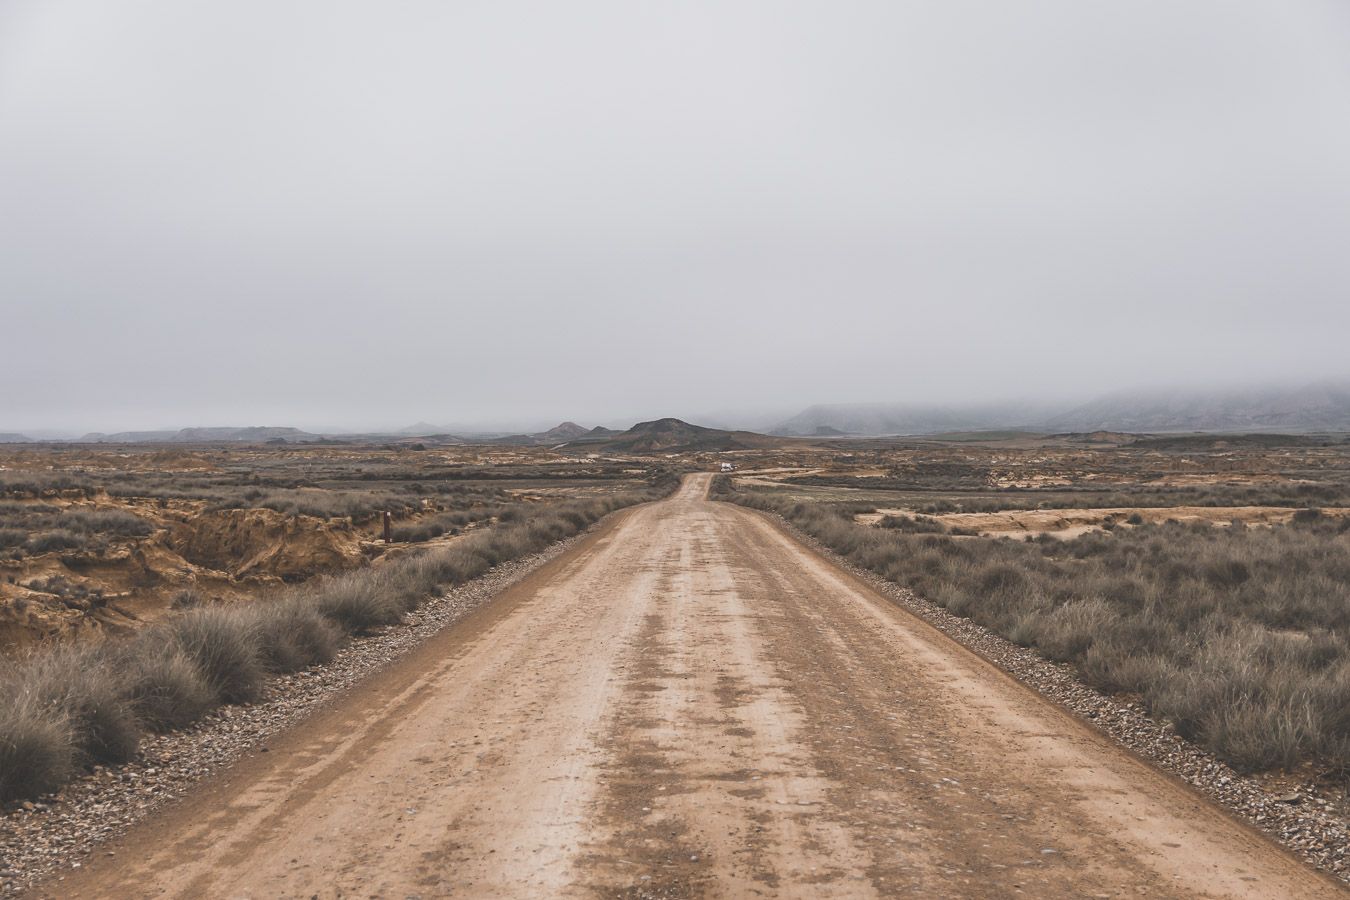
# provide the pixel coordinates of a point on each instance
(225, 645)
(166, 687)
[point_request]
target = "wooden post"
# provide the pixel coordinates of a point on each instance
(388, 528)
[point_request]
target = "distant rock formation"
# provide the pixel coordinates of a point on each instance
(1323, 406)
(258, 434)
(676, 436)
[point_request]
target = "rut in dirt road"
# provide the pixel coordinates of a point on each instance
(693, 704)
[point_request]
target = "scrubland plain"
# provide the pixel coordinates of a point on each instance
(1204, 580)
(142, 588)
(1208, 575)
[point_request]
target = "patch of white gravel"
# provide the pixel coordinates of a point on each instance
(61, 830)
(1309, 817)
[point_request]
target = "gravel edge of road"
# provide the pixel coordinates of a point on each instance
(38, 839)
(1308, 827)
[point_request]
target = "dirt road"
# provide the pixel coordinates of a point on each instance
(693, 704)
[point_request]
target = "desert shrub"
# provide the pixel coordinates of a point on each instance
(1240, 637)
(88, 693)
(64, 588)
(57, 539)
(1081, 496)
(1113, 666)
(356, 602)
(105, 521)
(417, 532)
(187, 598)
(413, 580)
(452, 521)
(1068, 631)
(293, 635)
(166, 687)
(224, 644)
(324, 504)
(40, 484)
(1255, 735)
(42, 528)
(913, 524)
(37, 747)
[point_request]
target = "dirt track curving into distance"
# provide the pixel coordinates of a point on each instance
(691, 703)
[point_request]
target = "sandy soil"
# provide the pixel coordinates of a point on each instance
(1068, 523)
(693, 704)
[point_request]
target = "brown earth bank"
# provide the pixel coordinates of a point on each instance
(98, 540)
(1029, 523)
(693, 704)
(232, 521)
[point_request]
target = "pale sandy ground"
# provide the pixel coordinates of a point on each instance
(693, 704)
(1068, 523)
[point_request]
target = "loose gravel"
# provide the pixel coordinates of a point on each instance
(1309, 817)
(62, 830)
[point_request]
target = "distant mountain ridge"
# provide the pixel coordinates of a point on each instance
(422, 429)
(1323, 406)
(558, 434)
(871, 419)
(202, 435)
(567, 431)
(1316, 407)
(677, 436)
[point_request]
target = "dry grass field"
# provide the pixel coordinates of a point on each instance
(1210, 576)
(141, 588)
(1204, 580)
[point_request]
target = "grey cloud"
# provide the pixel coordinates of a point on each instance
(355, 214)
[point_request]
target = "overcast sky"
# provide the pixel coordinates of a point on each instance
(337, 214)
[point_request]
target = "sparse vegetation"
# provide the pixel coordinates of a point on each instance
(1298, 496)
(64, 708)
(1240, 637)
(37, 751)
(913, 524)
(34, 528)
(452, 523)
(99, 538)
(166, 687)
(225, 644)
